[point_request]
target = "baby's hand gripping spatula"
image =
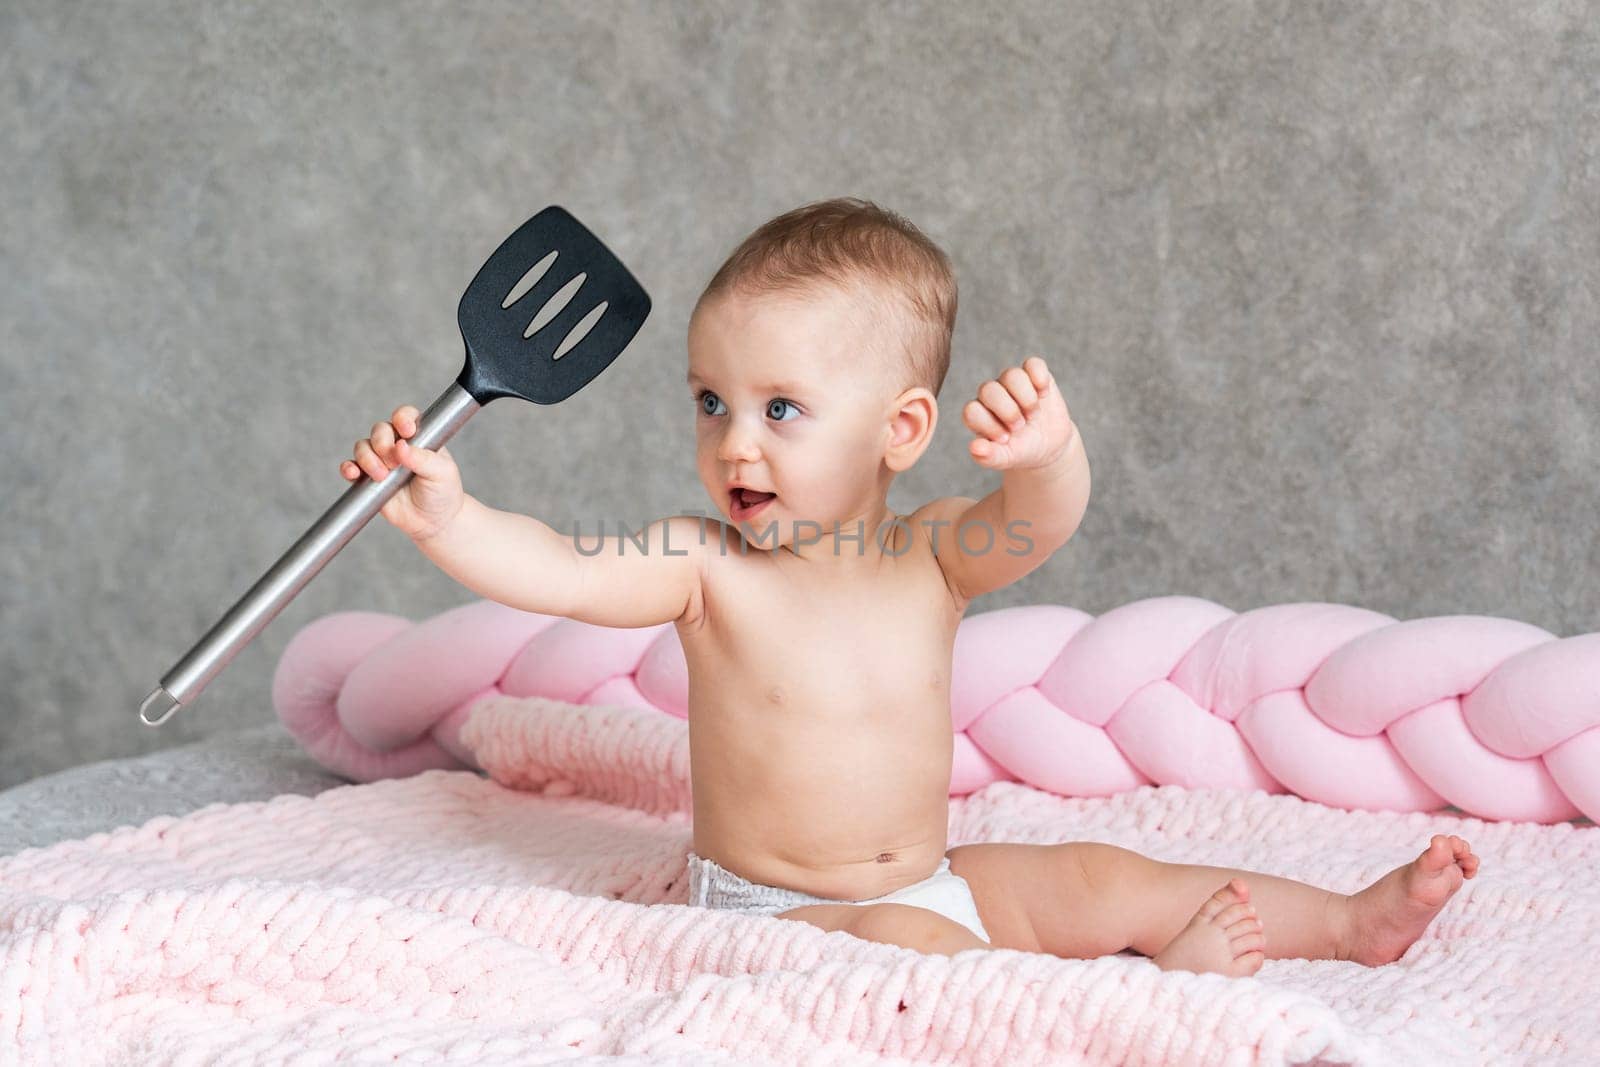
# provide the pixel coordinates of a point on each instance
(509, 353)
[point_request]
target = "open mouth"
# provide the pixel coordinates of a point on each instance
(745, 503)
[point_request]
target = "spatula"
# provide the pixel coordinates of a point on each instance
(545, 358)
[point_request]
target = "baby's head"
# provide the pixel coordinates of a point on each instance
(816, 355)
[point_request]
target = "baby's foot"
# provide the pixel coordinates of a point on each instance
(1224, 936)
(1391, 913)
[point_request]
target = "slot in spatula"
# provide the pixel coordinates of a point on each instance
(506, 356)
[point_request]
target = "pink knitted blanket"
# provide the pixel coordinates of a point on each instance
(538, 915)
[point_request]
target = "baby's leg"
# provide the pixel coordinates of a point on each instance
(1299, 921)
(1082, 899)
(893, 924)
(1374, 926)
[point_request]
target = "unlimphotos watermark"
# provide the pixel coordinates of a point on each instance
(978, 543)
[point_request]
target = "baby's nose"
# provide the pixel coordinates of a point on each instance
(737, 444)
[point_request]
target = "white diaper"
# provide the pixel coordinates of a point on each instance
(943, 891)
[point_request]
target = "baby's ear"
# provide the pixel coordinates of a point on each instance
(911, 423)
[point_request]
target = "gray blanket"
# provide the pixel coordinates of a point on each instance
(254, 764)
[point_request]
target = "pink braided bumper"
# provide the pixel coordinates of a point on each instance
(1337, 704)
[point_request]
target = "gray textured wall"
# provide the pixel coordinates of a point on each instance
(1319, 281)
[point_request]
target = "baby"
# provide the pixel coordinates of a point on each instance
(818, 625)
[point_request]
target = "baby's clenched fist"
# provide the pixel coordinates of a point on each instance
(1020, 419)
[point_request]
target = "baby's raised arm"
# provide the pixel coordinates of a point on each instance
(1022, 428)
(626, 580)
(525, 564)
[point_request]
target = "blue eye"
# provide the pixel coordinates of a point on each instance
(780, 404)
(708, 395)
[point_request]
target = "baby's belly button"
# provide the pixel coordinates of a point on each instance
(848, 839)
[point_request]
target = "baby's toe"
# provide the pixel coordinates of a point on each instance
(1246, 923)
(1247, 941)
(1247, 964)
(1439, 854)
(1234, 914)
(1235, 892)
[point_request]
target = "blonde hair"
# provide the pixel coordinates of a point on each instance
(845, 242)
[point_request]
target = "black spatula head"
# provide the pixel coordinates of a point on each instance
(547, 367)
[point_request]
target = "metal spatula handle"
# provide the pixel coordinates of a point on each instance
(300, 564)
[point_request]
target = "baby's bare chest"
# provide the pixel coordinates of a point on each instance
(773, 639)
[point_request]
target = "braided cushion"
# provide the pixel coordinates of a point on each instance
(1336, 704)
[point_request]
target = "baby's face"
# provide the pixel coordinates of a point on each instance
(791, 398)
